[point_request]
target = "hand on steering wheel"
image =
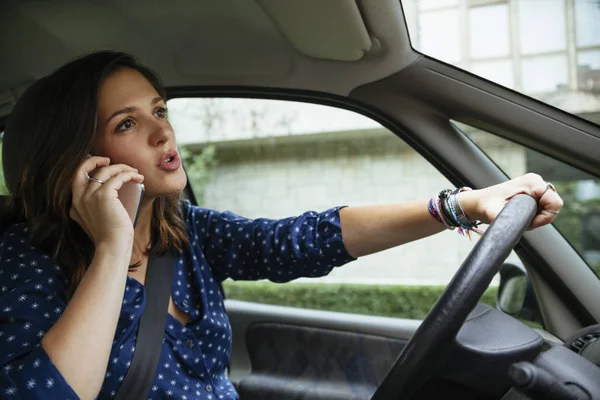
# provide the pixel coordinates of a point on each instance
(485, 204)
(426, 349)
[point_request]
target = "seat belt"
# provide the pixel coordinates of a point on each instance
(141, 373)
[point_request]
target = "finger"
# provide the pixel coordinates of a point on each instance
(80, 182)
(551, 201)
(91, 164)
(549, 205)
(105, 173)
(116, 182)
(543, 218)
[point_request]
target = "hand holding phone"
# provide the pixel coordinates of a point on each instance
(131, 195)
(97, 206)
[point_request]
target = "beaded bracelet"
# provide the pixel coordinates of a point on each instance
(447, 209)
(461, 216)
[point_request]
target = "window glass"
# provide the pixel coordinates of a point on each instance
(579, 220)
(499, 71)
(440, 34)
(433, 4)
(589, 59)
(481, 21)
(588, 63)
(324, 157)
(587, 15)
(545, 49)
(542, 29)
(539, 79)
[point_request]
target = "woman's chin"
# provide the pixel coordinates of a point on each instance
(154, 194)
(165, 188)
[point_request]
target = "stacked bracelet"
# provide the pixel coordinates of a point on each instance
(447, 209)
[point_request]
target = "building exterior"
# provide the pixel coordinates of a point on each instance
(549, 49)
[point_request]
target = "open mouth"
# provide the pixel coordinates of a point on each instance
(170, 161)
(168, 156)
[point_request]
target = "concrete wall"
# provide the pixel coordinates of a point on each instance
(280, 177)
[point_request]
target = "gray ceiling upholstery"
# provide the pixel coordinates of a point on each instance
(190, 42)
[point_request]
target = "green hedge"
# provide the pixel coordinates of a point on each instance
(380, 300)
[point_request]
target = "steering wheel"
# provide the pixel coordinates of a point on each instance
(425, 350)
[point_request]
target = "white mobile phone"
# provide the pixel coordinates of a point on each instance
(131, 194)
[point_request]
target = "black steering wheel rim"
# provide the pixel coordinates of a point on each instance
(425, 350)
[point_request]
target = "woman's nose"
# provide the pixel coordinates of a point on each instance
(162, 133)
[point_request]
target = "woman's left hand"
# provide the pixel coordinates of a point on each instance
(485, 204)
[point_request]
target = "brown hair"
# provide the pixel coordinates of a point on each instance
(47, 136)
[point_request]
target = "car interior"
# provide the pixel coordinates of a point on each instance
(357, 55)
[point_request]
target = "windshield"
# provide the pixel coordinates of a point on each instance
(546, 49)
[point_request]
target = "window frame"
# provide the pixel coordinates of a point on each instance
(526, 252)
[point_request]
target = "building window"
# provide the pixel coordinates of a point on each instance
(588, 63)
(587, 15)
(499, 71)
(542, 29)
(538, 77)
(440, 35)
(489, 34)
(425, 5)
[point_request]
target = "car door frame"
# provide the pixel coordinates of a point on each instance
(423, 122)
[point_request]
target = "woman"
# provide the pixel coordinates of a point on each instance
(76, 267)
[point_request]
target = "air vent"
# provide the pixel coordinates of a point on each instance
(578, 344)
(586, 343)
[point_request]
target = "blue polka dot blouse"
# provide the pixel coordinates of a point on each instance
(194, 357)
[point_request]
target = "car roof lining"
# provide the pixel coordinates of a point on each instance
(226, 42)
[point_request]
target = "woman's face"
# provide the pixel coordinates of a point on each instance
(133, 129)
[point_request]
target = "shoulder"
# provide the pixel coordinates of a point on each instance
(190, 211)
(212, 225)
(23, 263)
(195, 216)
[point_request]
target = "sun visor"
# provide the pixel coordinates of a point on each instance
(330, 30)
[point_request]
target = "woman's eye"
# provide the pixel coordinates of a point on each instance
(162, 113)
(123, 126)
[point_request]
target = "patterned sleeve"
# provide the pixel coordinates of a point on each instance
(309, 245)
(31, 300)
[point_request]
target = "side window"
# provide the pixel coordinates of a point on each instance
(275, 159)
(579, 220)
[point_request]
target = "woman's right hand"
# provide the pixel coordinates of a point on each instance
(96, 206)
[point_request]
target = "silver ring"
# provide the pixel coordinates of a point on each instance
(90, 179)
(552, 212)
(548, 187)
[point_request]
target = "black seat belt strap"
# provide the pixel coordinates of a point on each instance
(139, 377)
